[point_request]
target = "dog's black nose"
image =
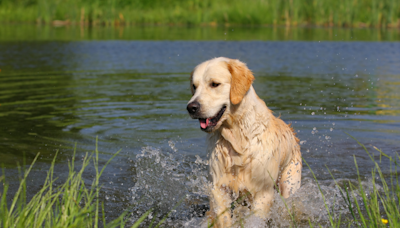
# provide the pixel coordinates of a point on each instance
(193, 107)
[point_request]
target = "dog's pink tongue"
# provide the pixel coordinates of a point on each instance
(203, 123)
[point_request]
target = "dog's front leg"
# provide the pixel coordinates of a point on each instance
(220, 207)
(262, 203)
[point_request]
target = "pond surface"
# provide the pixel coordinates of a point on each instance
(58, 88)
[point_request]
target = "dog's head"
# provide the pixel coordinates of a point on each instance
(217, 85)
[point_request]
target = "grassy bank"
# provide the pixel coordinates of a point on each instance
(71, 204)
(378, 207)
(351, 13)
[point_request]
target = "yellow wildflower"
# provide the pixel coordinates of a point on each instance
(385, 221)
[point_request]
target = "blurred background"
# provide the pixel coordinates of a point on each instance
(349, 13)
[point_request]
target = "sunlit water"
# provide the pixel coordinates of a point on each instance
(133, 95)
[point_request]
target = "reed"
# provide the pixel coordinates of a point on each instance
(71, 204)
(378, 207)
(349, 13)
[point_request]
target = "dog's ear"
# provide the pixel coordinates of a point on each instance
(241, 81)
(191, 83)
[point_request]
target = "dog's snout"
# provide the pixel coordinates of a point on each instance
(193, 107)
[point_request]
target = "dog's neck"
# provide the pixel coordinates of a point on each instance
(244, 123)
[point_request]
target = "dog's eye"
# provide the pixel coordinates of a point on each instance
(194, 87)
(214, 84)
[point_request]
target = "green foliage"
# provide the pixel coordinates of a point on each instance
(292, 12)
(377, 207)
(72, 204)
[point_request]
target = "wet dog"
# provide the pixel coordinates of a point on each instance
(251, 151)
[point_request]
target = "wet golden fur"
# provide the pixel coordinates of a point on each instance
(250, 149)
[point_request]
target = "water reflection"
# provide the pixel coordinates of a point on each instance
(23, 32)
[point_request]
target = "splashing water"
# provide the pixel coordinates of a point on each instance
(165, 178)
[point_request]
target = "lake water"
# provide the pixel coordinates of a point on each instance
(130, 87)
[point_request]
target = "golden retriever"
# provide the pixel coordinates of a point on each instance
(251, 151)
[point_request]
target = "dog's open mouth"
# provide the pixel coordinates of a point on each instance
(206, 124)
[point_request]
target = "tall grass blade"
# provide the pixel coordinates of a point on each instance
(322, 194)
(142, 218)
(166, 216)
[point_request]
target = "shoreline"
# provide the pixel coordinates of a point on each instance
(60, 23)
(69, 32)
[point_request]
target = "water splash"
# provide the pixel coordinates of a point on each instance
(163, 178)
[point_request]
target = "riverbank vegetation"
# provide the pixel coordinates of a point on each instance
(374, 207)
(71, 204)
(351, 13)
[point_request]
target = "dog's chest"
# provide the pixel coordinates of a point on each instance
(227, 167)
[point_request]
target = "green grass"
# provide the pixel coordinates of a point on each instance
(71, 204)
(377, 208)
(358, 13)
